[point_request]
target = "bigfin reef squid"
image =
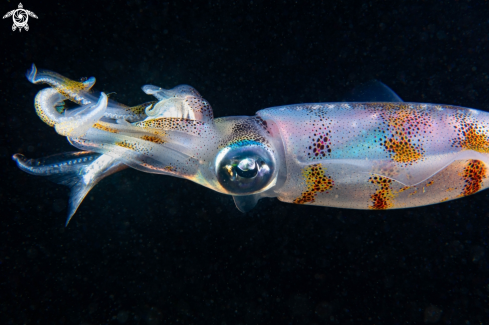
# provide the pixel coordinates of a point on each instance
(373, 152)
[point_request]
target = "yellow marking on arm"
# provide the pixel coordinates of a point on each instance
(153, 139)
(104, 127)
(127, 145)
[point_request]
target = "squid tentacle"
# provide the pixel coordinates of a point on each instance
(82, 93)
(71, 124)
(76, 126)
(179, 102)
(71, 89)
(80, 171)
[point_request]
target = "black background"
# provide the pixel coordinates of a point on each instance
(146, 249)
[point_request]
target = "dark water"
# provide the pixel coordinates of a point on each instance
(146, 249)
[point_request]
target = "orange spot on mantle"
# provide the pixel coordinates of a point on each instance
(403, 151)
(382, 198)
(474, 173)
(316, 182)
(475, 140)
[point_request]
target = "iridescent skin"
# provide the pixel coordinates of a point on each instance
(360, 155)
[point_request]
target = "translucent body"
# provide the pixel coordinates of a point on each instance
(381, 155)
(358, 155)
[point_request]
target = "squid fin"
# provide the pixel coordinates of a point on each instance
(373, 91)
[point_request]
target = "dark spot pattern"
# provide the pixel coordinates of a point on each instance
(402, 130)
(316, 182)
(382, 198)
(174, 124)
(474, 173)
(245, 131)
(470, 135)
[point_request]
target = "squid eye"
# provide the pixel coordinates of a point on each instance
(245, 170)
